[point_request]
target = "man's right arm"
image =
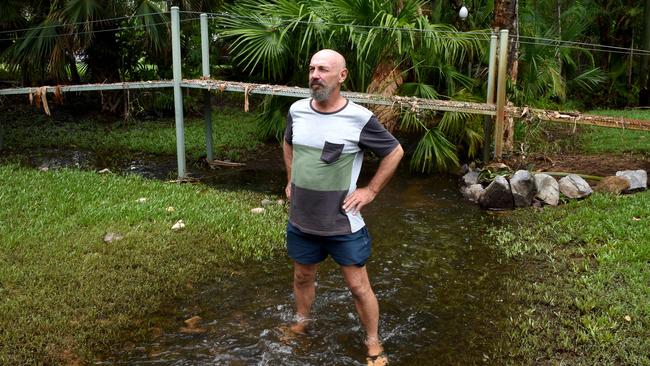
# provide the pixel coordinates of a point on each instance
(287, 151)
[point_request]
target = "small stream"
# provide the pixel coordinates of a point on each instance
(441, 289)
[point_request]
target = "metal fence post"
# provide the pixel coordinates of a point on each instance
(501, 94)
(487, 120)
(207, 105)
(178, 95)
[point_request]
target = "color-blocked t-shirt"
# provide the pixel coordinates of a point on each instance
(327, 156)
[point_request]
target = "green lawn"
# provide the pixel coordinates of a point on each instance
(65, 294)
(598, 140)
(234, 134)
(584, 298)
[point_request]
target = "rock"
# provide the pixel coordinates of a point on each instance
(193, 321)
(638, 179)
(280, 202)
(111, 237)
(257, 210)
(548, 190)
(523, 188)
(497, 195)
(469, 178)
(104, 171)
(574, 186)
(464, 191)
(267, 202)
(475, 192)
(142, 200)
(170, 209)
(179, 225)
(472, 193)
(193, 326)
(43, 168)
(615, 185)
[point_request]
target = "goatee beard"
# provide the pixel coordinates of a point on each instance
(321, 94)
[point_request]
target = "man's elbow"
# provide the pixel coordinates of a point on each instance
(398, 152)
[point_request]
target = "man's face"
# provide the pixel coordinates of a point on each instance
(325, 75)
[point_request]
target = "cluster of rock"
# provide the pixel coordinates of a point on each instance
(524, 188)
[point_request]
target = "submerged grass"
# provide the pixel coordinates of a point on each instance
(65, 294)
(585, 298)
(234, 134)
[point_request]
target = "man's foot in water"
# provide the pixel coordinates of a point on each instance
(376, 354)
(291, 332)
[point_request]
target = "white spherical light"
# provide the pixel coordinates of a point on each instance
(463, 13)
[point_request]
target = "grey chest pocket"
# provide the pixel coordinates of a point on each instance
(331, 152)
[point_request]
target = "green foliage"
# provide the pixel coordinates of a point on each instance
(275, 40)
(434, 150)
(272, 120)
(67, 295)
(112, 38)
(549, 74)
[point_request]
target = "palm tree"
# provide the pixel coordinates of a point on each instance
(109, 36)
(548, 73)
(64, 32)
(391, 47)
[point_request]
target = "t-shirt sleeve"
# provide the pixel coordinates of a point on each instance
(288, 131)
(376, 138)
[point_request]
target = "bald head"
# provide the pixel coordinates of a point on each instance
(330, 56)
(326, 74)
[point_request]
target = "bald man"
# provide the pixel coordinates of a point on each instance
(324, 142)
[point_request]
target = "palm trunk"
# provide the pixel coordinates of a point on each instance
(386, 79)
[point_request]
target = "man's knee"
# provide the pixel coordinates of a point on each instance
(360, 290)
(304, 277)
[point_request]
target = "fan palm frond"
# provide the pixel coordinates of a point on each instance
(434, 150)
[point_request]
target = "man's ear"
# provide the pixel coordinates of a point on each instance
(343, 75)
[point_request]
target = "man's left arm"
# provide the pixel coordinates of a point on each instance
(363, 196)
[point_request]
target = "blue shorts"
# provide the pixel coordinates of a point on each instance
(346, 250)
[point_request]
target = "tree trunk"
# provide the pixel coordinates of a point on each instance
(644, 75)
(386, 79)
(506, 16)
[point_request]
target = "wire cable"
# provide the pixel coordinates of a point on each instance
(475, 35)
(478, 35)
(96, 31)
(80, 23)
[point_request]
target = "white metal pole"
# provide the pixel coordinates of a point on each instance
(501, 94)
(207, 105)
(178, 95)
(487, 120)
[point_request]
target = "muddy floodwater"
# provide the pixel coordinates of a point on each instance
(441, 289)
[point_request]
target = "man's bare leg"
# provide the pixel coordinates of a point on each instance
(366, 303)
(304, 290)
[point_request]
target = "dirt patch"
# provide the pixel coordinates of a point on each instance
(599, 164)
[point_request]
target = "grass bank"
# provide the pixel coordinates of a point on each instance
(234, 133)
(597, 140)
(584, 299)
(543, 137)
(66, 294)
